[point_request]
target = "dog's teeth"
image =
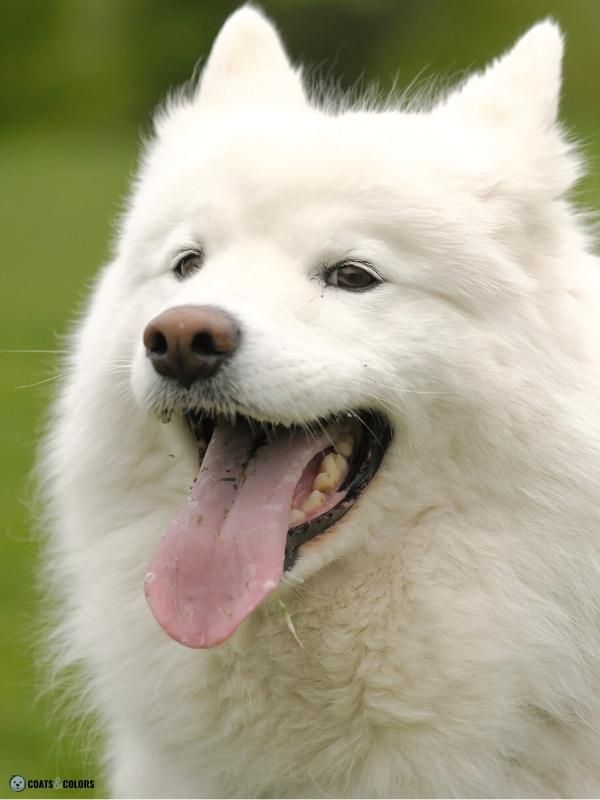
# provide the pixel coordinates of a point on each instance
(296, 517)
(334, 465)
(313, 501)
(323, 482)
(341, 462)
(344, 446)
(330, 466)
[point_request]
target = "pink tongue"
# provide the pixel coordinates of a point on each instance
(224, 551)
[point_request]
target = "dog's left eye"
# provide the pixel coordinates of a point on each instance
(188, 264)
(351, 276)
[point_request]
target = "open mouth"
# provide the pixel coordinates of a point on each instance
(331, 481)
(262, 491)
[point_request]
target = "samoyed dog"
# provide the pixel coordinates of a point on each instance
(324, 477)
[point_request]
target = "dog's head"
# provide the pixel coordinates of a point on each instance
(307, 287)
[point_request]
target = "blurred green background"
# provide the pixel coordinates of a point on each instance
(78, 81)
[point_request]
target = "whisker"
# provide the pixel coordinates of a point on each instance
(364, 424)
(39, 383)
(53, 352)
(325, 433)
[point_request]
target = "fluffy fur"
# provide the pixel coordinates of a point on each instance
(450, 623)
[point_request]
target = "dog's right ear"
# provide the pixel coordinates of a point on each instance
(248, 64)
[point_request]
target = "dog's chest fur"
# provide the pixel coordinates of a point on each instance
(380, 698)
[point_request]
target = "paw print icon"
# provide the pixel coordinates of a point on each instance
(17, 783)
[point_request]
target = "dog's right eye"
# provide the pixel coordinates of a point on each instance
(188, 264)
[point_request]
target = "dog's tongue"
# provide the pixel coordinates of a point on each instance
(224, 551)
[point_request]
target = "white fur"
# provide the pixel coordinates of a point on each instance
(450, 623)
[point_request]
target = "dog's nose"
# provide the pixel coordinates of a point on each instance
(188, 343)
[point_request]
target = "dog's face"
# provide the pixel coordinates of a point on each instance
(338, 272)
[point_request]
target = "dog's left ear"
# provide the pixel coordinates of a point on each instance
(512, 108)
(248, 64)
(519, 90)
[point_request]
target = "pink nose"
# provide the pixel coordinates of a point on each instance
(189, 343)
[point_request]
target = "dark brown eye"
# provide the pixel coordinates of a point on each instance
(351, 276)
(188, 264)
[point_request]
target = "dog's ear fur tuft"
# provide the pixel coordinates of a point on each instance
(248, 64)
(521, 88)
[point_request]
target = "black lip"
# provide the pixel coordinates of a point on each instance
(365, 461)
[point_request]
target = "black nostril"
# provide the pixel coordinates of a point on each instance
(203, 344)
(157, 344)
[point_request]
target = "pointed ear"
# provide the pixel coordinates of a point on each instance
(520, 89)
(248, 64)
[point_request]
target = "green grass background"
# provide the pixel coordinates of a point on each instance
(61, 195)
(68, 145)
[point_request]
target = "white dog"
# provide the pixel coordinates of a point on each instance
(378, 332)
